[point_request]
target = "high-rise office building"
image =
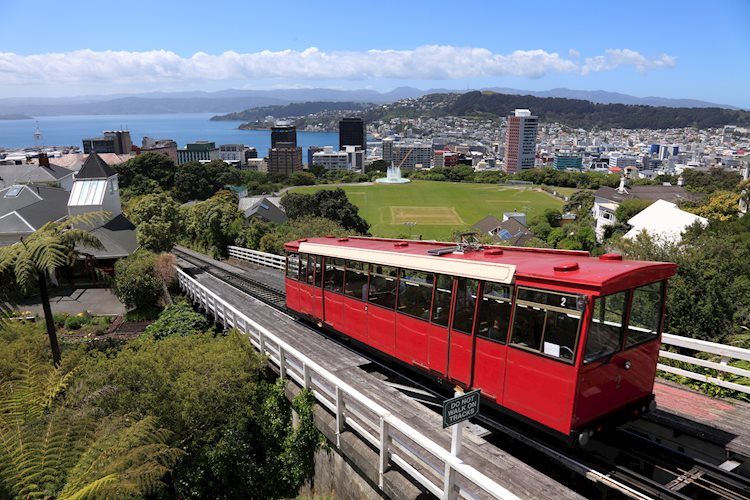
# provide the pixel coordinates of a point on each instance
(284, 160)
(283, 135)
(520, 141)
(388, 149)
(352, 133)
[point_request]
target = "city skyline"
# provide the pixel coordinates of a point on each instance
(645, 50)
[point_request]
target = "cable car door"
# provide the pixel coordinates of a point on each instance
(461, 348)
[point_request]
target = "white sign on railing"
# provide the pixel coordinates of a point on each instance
(397, 442)
(261, 258)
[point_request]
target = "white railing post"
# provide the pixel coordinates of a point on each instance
(340, 417)
(282, 362)
(385, 450)
(308, 382)
(261, 342)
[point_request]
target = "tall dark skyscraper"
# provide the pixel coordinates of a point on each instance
(352, 133)
(284, 136)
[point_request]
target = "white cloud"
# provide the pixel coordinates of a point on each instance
(614, 58)
(428, 62)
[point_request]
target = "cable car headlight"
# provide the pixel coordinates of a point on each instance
(628, 364)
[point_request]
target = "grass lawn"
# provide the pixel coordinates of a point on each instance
(439, 208)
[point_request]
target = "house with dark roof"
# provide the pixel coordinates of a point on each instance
(510, 231)
(26, 208)
(44, 173)
(263, 208)
(607, 199)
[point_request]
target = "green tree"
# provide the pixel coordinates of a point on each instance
(178, 318)
(331, 204)
(138, 171)
(721, 205)
(49, 450)
(200, 181)
(214, 224)
(157, 220)
(49, 248)
(580, 203)
(630, 208)
(136, 283)
(302, 179)
(305, 227)
(316, 170)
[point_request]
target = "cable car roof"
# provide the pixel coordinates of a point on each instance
(494, 263)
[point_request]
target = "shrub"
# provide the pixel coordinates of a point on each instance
(177, 319)
(59, 319)
(75, 322)
(136, 283)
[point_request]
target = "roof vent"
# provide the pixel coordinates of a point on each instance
(566, 266)
(343, 239)
(400, 244)
(330, 236)
(302, 240)
(610, 256)
(493, 251)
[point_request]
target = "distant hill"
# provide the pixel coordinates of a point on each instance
(585, 114)
(15, 117)
(233, 100)
(290, 110)
(604, 97)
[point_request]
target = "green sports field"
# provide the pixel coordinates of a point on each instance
(438, 208)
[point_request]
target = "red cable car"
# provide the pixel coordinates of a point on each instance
(556, 338)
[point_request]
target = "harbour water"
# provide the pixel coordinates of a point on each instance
(183, 128)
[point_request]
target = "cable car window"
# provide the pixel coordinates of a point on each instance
(334, 278)
(415, 293)
(607, 326)
(318, 259)
(550, 325)
(645, 314)
(493, 317)
(292, 266)
(442, 305)
(306, 268)
(383, 285)
(355, 280)
(560, 333)
(528, 326)
(466, 300)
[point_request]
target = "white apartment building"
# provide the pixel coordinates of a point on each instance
(234, 154)
(332, 160)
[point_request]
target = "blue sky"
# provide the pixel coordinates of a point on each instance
(693, 49)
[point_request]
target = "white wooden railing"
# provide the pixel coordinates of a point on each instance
(434, 467)
(726, 352)
(261, 258)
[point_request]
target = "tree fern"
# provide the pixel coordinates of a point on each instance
(50, 450)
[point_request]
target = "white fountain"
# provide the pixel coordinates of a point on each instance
(393, 176)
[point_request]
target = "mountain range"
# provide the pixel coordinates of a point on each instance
(232, 100)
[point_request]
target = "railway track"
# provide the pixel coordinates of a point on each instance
(623, 461)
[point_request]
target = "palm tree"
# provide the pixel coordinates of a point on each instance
(48, 450)
(39, 255)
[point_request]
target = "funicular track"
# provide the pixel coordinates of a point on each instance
(622, 461)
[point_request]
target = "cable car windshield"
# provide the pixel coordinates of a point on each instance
(607, 326)
(548, 322)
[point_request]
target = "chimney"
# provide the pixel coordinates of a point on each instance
(43, 160)
(680, 181)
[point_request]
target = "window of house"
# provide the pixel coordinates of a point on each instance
(466, 300)
(383, 285)
(607, 326)
(292, 266)
(355, 280)
(645, 314)
(334, 278)
(548, 322)
(493, 317)
(415, 293)
(442, 304)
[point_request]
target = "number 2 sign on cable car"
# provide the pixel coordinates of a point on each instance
(460, 408)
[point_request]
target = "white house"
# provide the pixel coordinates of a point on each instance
(663, 220)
